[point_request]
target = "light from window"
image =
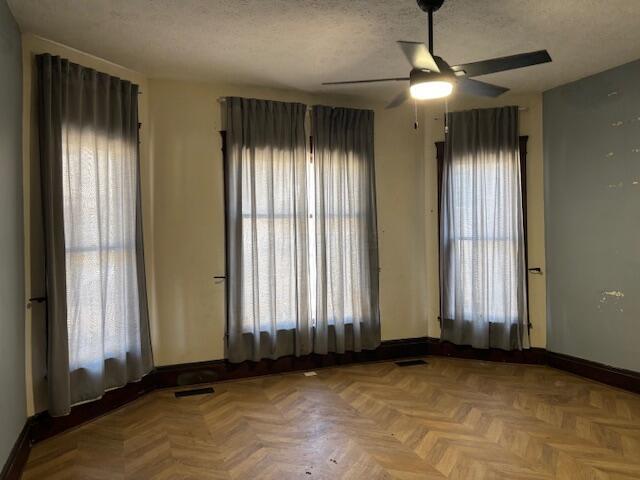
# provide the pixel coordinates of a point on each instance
(99, 201)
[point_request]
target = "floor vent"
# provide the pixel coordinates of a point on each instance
(410, 363)
(195, 391)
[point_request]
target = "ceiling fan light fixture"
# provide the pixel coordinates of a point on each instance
(431, 77)
(431, 89)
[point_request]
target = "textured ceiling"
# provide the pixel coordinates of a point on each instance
(300, 43)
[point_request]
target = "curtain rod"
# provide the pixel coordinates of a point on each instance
(224, 99)
(520, 109)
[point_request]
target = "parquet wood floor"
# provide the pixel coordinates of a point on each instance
(455, 419)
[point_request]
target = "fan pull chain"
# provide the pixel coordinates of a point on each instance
(415, 114)
(446, 114)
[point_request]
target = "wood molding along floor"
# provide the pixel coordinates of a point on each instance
(42, 426)
(19, 454)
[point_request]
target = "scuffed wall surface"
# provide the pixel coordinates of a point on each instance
(592, 198)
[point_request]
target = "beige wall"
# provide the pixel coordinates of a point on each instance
(34, 281)
(188, 318)
(531, 125)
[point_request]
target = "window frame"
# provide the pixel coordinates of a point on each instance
(223, 150)
(522, 145)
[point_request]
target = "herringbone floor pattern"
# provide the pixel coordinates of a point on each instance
(455, 419)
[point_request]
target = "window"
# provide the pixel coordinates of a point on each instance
(345, 224)
(343, 221)
(301, 234)
(99, 202)
(97, 316)
(268, 225)
(499, 311)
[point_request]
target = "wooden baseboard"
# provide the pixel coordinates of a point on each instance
(43, 426)
(616, 377)
(218, 370)
(17, 459)
(534, 356)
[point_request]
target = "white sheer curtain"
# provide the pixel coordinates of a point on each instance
(99, 197)
(482, 237)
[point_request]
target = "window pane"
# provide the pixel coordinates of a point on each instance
(99, 211)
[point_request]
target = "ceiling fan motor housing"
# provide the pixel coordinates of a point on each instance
(421, 76)
(432, 5)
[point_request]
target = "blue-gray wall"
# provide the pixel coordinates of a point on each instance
(12, 380)
(592, 217)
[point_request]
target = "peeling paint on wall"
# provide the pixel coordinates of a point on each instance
(591, 217)
(613, 293)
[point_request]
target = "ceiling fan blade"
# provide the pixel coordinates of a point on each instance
(418, 55)
(501, 64)
(475, 87)
(349, 82)
(398, 99)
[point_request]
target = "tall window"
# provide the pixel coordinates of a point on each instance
(482, 235)
(99, 203)
(270, 213)
(300, 230)
(96, 295)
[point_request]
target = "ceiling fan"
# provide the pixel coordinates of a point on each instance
(431, 77)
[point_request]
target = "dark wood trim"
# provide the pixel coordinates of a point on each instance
(45, 426)
(532, 356)
(440, 162)
(525, 201)
(612, 376)
(220, 370)
(17, 459)
(225, 189)
(615, 377)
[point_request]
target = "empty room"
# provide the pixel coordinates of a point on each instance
(302, 239)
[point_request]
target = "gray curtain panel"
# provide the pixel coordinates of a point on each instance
(346, 248)
(267, 230)
(97, 313)
(483, 289)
